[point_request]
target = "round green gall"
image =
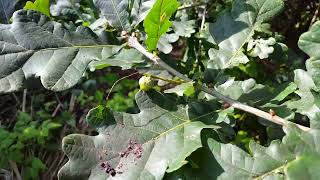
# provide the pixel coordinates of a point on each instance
(146, 83)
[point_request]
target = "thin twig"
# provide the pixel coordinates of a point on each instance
(15, 169)
(315, 16)
(72, 102)
(16, 98)
(55, 112)
(203, 20)
(115, 83)
(164, 79)
(60, 105)
(24, 100)
(58, 99)
(134, 43)
(31, 105)
(187, 6)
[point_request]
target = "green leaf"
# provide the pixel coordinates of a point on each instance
(34, 47)
(310, 44)
(125, 59)
(115, 11)
(235, 28)
(245, 91)
(309, 102)
(202, 165)
(65, 8)
(158, 21)
(289, 159)
(140, 9)
(39, 5)
(308, 81)
(161, 136)
(282, 110)
(164, 43)
(182, 89)
(289, 89)
(307, 163)
(184, 27)
(7, 8)
(74, 10)
(258, 95)
(205, 34)
(35, 167)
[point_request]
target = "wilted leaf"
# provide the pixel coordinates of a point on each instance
(137, 146)
(115, 11)
(157, 21)
(235, 28)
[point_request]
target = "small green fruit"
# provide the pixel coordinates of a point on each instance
(146, 83)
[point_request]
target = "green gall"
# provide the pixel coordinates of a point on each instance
(146, 83)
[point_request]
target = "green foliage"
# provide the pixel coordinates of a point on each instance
(182, 89)
(140, 9)
(65, 8)
(26, 133)
(184, 27)
(34, 168)
(308, 42)
(39, 5)
(120, 102)
(235, 28)
(50, 50)
(284, 159)
(160, 123)
(158, 21)
(172, 129)
(115, 11)
(78, 11)
(125, 59)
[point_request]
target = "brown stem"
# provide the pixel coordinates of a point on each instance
(134, 43)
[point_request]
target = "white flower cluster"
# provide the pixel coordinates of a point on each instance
(261, 47)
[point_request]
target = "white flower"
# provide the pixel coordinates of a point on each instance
(260, 47)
